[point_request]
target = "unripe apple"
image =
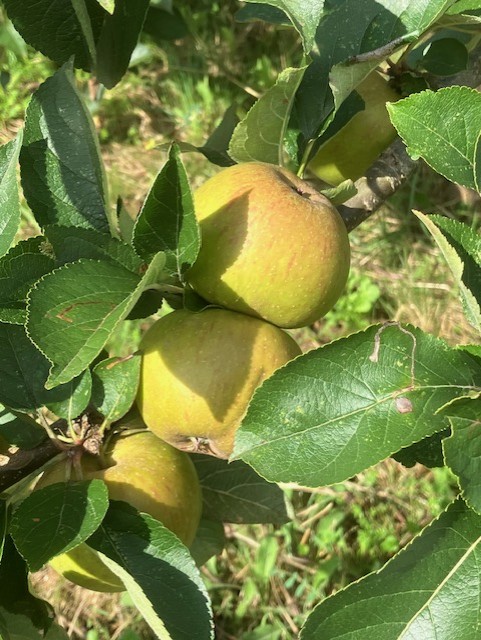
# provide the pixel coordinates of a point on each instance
(199, 371)
(272, 246)
(352, 149)
(150, 475)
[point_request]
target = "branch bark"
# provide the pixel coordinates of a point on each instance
(25, 461)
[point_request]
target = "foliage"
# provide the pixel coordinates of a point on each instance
(332, 413)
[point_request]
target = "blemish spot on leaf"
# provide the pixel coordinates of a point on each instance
(403, 405)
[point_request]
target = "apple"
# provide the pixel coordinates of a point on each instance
(272, 246)
(150, 475)
(353, 148)
(199, 371)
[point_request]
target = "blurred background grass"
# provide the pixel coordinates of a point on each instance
(268, 578)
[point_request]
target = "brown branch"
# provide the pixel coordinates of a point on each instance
(383, 179)
(25, 461)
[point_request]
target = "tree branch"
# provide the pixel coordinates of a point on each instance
(384, 178)
(25, 461)
(394, 166)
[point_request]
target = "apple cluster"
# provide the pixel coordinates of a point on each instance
(274, 255)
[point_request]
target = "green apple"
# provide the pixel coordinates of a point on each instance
(199, 371)
(354, 147)
(272, 246)
(149, 474)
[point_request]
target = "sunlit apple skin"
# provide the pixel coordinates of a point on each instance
(272, 246)
(350, 152)
(199, 371)
(149, 474)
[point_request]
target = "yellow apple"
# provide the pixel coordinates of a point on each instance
(199, 371)
(150, 475)
(354, 147)
(272, 246)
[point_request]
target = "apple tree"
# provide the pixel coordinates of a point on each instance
(391, 390)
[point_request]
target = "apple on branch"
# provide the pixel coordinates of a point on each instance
(150, 475)
(272, 246)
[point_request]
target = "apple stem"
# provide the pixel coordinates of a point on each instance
(305, 158)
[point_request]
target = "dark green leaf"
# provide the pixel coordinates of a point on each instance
(58, 29)
(15, 595)
(9, 203)
(413, 595)
(463, 449)
(209, 541)
(20, 268)
(444, 129)
(4, 518)
(73, 311)
(256, 11)
(20, 430)
(445, 57)
(71, 398)
(115, 383)
(352, 28)
(260, 135)
(158, 572)
(428, 452)
(24, 371)
(117, 39)
(304, 15)
(217, 146)
(163, 25)
(167, 221)
(57, 518)
(62, 172)
(69, 244)
(236, 493)
(346, 406)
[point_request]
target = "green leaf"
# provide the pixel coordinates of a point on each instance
(108, 5)
(444, 129)
(260, 135)
(4, 518)
(350, 29)
(20, 430)
(157, 571)
(58, 518)
(445, 57)
(24, 371)
(59, 31)
(73, 397)
(61, 167)
(412, 595)
(115, 382)
(69, 244)
(304, 15)
(428, 452)
(236, 493)
(15, 595)
(167, 221)
(117, 39)
(209, 541)
(9, 202)
(20, 268)
(255, 11)
(461, 248)
(346, 406)
(163, 25)
(463, 449)
(73, 311)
